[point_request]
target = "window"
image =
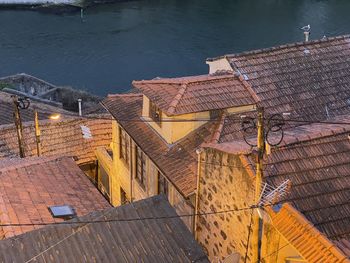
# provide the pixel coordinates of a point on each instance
(163, 185)
(103, 182)
(123, 199)
(123, 145)
(140, 167)
(155, 113)
(214, 114)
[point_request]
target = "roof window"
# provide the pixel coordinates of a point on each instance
(62, 211)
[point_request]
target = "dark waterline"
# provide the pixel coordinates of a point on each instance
(118, 43)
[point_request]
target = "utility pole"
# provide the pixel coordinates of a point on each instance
(258, 184)
(19, 128)
(37, 133)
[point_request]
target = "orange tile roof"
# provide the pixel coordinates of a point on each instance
(29, 186)
(309, 79)
(63, 137)
(178, 162)
(310, 243)
(316, 159)
(176, 96)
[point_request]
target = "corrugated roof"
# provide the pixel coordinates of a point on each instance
(29, 186)
(162, 240)
(178, 161)
(59, 137)
(176, 96)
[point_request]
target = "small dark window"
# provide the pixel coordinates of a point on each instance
(140, 167)
(103, 182)
(214, 114)
(123, 145)
(123, 199)
(163, 185)
(155, 113)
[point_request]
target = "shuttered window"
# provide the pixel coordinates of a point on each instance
(140, 167)
(155, 113)
(163, 185)
(123, 145)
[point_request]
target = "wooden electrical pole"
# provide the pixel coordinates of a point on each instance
(258, 184)
(19, 128)
(37, 133)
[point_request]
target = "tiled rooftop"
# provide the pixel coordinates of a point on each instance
(176, 96)
(178, 161)
(310, 80)
(315, 157)
(44, 110)
(319, 170)
(29, 186)
(61, 137)
(162, 240)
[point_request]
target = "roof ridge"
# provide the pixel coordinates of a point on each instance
(280, 47)
(30, 161)
(249, 88)
(185, 79)
(177, 98)
(124, 95)
(216, 135)
(311, 135)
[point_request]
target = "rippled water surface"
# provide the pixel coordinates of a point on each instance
(115, 44)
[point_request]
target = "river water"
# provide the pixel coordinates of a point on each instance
(115, 44)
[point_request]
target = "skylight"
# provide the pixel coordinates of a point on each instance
(62, 211)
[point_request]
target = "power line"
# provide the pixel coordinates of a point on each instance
(137, 219)
(203, 120)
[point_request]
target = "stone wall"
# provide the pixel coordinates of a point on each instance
(224, 185)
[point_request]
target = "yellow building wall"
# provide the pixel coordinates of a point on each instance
(122, 175)
(224, 184)
(172, 129)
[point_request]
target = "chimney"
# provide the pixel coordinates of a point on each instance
(307, 34)
(306, 30)
(79, 104)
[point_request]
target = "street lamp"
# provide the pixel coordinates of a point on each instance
(23, 103)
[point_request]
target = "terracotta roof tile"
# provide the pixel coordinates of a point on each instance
(197, 93)
(310, 85)
(63, 137)
(318, 165)
(178, 162)
(28, 186)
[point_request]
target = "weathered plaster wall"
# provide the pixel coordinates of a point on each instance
(219, 64)
(224, 185)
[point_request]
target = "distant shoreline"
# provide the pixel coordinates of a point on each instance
(57, 7)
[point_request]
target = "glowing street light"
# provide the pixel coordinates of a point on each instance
(55, 116)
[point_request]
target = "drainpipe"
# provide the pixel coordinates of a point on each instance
(199, 152)
(37, 133)
(79, 104)
(131, 168)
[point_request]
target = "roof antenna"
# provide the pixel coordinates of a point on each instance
(306, 30)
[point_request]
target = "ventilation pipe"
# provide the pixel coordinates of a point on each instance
(79, 104)
(306, 30)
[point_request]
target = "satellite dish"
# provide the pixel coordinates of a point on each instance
(276, 208)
